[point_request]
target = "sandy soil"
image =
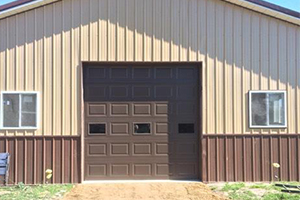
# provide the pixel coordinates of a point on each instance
(166, 190)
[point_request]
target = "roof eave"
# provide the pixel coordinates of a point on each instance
(242, 3)
(24, 7)
(266, 11)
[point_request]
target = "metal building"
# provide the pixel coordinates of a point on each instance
(150, 89)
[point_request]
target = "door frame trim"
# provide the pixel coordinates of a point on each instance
(198, 64)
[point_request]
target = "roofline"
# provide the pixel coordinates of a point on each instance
(14, 4)
(269, 9)
(255, 5)
(276, 7)
(20, 6)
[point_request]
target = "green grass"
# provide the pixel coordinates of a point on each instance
(247, 191)
(244, 195)
(233, 187)
(23, 192)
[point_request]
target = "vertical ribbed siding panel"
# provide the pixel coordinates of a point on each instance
(57, 69)
(11, 53)
(264, 52)
(93, 30)
(282, 60)
(3, 58)
(157, 29)
(237, 71)
(67, 66)
(210, 64)
(20, 53)
(112, 28)
(175, 30)
(39, 62)
(103, 24)
(291, 77)
(130, 33)
(220, 68)
(246, 70)
(76, 70)
(192, 21)
(273, 59)
(255, 51)
(29, 50)
(228, 69)
(201, 55)
(264, 56)
(148, 30)
(298, 78)
(29, 55)
(139, 30)
(183, 30)
(47, 73)
(121, 30)
(166, 30)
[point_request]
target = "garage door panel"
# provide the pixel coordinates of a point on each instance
(119, 72)
(119, 128)
(141, 91)
(142, 149)
(120, 169)
(119, 109)
(163, 73)
(97, 109)
(147, 119)
(119, 92)
(141, 73)
(97, 149)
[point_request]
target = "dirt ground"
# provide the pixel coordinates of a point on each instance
(142, 190)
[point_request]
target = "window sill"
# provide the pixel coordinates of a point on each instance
(268, 127)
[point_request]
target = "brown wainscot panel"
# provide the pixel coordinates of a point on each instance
(250, 157)
(31, 156)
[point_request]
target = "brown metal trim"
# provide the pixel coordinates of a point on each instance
(32, 155)
(224, 135)
(255, 162)
(257, 2)
(276, 7)
(14, 4)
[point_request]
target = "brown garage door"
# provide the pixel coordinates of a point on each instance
(141, 122)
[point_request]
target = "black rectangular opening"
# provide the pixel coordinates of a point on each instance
(186, 128)
(95, 129)
(142, 128)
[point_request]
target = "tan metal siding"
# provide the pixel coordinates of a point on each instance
(42, 50)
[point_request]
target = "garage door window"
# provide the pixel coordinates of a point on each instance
(267, 109)
(142, 128)
(97, 129)
(186, 128)
(19, 110)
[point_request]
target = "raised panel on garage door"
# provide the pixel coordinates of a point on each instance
(141, 122)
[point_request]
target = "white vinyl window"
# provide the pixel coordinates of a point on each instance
(19, 110)
(267, 109)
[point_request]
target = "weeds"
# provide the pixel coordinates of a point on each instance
(255, 191)
(24, 192)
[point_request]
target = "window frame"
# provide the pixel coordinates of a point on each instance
(20, 109)
(267, 92)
